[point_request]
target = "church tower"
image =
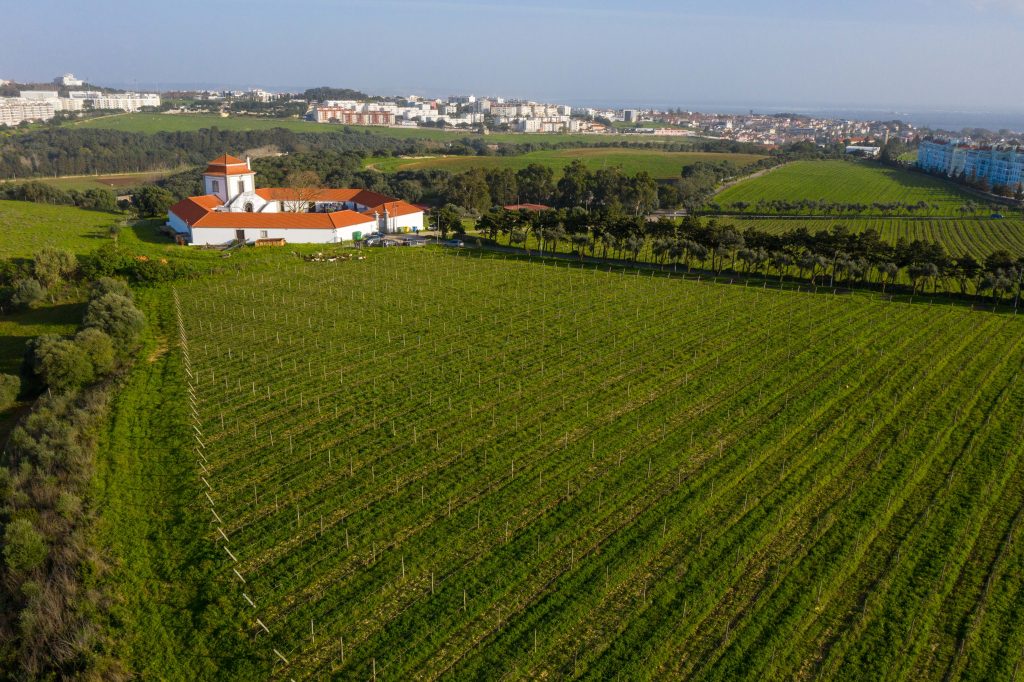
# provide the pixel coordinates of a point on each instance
(228, 177)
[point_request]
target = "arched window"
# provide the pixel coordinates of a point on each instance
(248, 207)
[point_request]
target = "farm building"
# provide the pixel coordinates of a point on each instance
(233, 208)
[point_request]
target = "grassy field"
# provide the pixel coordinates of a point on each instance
(846, 182)
(975, 236)
(588, 473)
(25, 227)
(154, 123)
(659, 164)
(115, 182)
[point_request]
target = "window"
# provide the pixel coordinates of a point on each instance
(282, 206)
(248, 207)
(241, 186)
(263, 234)
(216, 186)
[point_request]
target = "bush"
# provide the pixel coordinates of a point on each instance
(62, 364)
(117, 316)
(27, 292)
(10, 387)
(103, 262)
(24, 548)
(99, 349)
(52, 266)
(111, 285)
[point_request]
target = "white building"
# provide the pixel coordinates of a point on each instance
(234, 209)
(68, 80)
(125, 101)
(14, 110)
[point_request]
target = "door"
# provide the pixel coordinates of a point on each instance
(240, 235)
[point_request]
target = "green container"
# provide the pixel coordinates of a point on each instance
(357, 236)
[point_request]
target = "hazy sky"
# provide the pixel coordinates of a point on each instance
(955, 54)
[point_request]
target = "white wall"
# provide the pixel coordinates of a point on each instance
(179, 225)
(203, 236)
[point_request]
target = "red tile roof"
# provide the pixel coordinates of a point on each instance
(527, 207)
(194, 208)
(395, 208)
(305, 221)
(225, 164)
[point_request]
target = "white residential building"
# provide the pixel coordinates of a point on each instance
(68, 80)
(14, 110)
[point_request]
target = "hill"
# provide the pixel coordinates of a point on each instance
(26, 227)
(844, 182)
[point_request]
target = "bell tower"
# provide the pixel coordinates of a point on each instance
(227, 177)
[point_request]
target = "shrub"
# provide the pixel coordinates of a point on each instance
(99, 349)
(10, 386)
(62, 364)
(27, 292)
(24, 547)
(103, 262)
(52, 266)
(111, 285)
(116, 316)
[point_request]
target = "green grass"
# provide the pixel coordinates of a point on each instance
(154, 123)
(660, 164)
(26, 227)
(846, 182)
(579, 472)
(170, 615)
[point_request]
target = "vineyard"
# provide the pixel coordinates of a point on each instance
(432, 464)
(975, 236)
(845, 182)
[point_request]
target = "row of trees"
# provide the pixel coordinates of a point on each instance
(836, 257)
(48, 618)
(61, 150)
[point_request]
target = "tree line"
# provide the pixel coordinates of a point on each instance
(49, 619)
(836, 257)
(58, 149)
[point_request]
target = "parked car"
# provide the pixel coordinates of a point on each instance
(996, 215)
(453, 242)
(376, 240)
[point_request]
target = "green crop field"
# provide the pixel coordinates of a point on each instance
(975, 236)
(155, 123)
(568, 472)
(115, 182)
(846, 182)
(660, 164)
(26, 227)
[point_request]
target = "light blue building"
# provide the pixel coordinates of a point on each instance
(1000, 166)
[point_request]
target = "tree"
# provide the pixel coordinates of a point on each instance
(99, 349)
(10, 387)
(150, 200)
(448, 218)
(111, 285)
(27, 292)
(51, 266)
(536, 183)
(116, 316)
(305, 190)
(62, 364)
